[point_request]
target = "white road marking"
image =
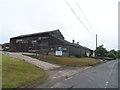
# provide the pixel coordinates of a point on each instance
(106, 84)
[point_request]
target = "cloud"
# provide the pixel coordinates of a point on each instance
(19, 17)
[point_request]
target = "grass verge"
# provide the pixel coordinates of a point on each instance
(104, 58)
(67, 61)
(17, 73)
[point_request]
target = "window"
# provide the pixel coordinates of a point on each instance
(18, 40)
(34, 41)
(44, 37)
(39, 38)
(24, 41)
(52, 49)
(43, 43)
(64, 49)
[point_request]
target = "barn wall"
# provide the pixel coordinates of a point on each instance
(76, 51)
(46, 43)
(30, 44)
(54, 43)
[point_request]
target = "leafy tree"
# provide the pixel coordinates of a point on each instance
(118, 54)
(113, 51)
(111, 54)
(101, 51)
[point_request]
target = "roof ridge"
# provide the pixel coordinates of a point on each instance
(25, 35)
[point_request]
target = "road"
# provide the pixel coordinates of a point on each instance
(101, 76)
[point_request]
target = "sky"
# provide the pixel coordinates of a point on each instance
(19, 17)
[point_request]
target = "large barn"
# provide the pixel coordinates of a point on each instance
(49, 43)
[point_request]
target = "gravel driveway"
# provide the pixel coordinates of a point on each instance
(36, 62)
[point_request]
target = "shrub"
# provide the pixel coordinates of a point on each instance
(112, 55)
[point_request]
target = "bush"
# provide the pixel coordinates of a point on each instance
(112, 55)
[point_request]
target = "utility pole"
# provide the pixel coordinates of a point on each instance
(96, 45)
(96, 41)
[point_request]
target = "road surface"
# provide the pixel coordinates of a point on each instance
(101, 76)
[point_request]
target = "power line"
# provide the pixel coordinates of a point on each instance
(89, 23)
(79, 18)
(84, 16)
(103, 40)
(81, 21)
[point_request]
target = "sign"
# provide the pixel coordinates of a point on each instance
(59, 51)
(93, 54)
(87, 54)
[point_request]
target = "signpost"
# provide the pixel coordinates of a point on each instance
(87, 54)
(58, 51)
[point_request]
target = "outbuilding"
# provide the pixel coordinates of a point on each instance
(49, 43)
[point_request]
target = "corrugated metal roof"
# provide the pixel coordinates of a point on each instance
(67, 42)
(73, 44)
(28, 35)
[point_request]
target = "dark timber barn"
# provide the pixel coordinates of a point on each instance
(47, 43)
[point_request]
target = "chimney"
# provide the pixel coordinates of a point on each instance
(78, 43)
(73, 41)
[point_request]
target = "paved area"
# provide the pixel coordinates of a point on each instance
(36, 62)
(58, 74)
(101, 76)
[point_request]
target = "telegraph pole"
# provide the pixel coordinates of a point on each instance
(96, 45)
(96, 41)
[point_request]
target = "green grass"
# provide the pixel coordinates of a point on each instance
(105, 58)
(68, 61)
(0, 70)
(17, 73)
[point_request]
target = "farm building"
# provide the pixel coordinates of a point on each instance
(1, 47)
(49, 43)
(6, 46)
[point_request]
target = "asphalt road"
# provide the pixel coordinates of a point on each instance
(101, 76)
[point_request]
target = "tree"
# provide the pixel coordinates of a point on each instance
(118, 54)
(101, 51)
(113, 51)
(111, 55)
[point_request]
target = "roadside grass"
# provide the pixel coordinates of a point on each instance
(67, 61)
(17, 73)
(0, 70)
(105, 58)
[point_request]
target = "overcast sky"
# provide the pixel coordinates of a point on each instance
(19, 17)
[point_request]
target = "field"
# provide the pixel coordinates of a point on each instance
(68, 61)
(17, 73)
